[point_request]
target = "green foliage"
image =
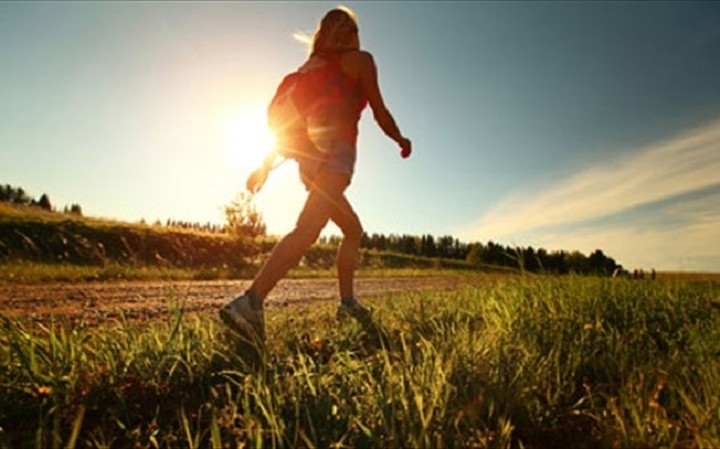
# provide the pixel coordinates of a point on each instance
(524, 362)
(242, 217)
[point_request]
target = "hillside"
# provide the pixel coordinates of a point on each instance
(31, 234)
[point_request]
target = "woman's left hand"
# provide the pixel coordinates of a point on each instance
(257, 179)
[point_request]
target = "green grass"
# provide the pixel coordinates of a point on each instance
(525, 362)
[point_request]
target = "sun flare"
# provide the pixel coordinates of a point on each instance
(247, 138)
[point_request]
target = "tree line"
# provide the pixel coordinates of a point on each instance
(17, 195)
(490, 253)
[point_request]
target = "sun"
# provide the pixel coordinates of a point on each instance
(247, 138)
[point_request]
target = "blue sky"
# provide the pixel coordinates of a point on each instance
(560, 125)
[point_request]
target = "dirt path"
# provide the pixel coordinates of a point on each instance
(95, 302)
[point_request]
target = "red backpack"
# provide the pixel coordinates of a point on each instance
(299, 95)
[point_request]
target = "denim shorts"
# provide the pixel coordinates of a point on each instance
(337, 156)
(341, 159)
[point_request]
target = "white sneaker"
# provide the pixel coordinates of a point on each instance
(245, 319)
(351, 308)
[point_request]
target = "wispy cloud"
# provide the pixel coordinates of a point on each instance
(665, 170)
(677, 236)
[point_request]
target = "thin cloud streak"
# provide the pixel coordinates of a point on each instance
(694, 246)
(662, 171)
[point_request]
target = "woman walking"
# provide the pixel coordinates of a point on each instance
(326, 172)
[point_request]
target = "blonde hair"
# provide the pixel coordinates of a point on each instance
(333, 32)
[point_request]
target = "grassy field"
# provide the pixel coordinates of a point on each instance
(523, 362)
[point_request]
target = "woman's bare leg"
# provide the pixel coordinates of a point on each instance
(324, 201)
(347, 220)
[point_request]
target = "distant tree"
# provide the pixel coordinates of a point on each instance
(22, 198)
(408, 245)
(44, 202)
(445, 247)
(577, 262)
(365, 240)
(461, 249)
(530, 259)
(427, 246)
(600, 264)
(556, 262)
(242, 218)
(6, 193)
(495, 254)
(379, 242)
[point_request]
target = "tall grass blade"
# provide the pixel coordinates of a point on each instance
(77, 425)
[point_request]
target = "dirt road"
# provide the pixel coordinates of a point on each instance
(94, 302)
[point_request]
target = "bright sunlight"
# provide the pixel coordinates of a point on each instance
(247, 138)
